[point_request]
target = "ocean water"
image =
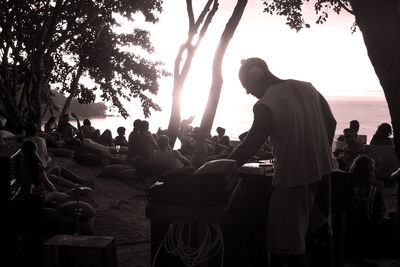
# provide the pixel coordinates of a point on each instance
(370, 111)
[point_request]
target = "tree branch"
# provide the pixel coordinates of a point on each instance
(49, 27)
(189, 8)
(208, 21)
(203, 14)
(66, 37)
(345, 7)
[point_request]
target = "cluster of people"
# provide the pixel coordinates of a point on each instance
(355, 143)
(366, 209)
(47, 198)
(292, 123)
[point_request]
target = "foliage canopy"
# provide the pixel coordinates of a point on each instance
(48, 44)
(293, 10)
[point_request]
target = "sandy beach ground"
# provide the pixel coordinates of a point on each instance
(120, 205)
(120, 212)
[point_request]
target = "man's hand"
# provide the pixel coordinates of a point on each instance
(74, 115)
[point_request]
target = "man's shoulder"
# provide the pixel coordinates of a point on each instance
(225, 138)
(41, 139)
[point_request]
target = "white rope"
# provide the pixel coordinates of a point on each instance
(177, 242)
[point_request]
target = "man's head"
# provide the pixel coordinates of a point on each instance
(220, 131)
(349, 136)
(136, 124)
(355, 125)
(87, 122)
(253, 75)
(121, 130)
(163, 142)
(144, 126)
(384, 130)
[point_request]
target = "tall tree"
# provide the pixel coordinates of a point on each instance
(199, 156)
(379, 23)
(47, 43)
(181, 70)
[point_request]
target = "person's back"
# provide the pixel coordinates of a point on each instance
(367, 205)
(298, 126)
(87, 128)
(142, 143)
(32, 134)
(167, 157)
(106, 138)
(64, 127)
(367, 208)
(131, 149)
(223, 143)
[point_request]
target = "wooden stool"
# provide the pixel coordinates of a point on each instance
(80, 250)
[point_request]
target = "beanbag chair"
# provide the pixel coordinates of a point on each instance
(130, 173)
(176, 174)
(53, 199)
(217, 167)
(68, 209)
(211, 184)
(7, 134)
(222, 173)
(63, 152)
(113, 170)
(88, 159)
(149, 168)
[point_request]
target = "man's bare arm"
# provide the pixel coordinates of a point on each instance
(258, 134)
(80, 132)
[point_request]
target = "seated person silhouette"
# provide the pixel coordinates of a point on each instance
(120, 140)
(355, 125)
(168, 157)
(382, 135)
(350, 151)
(221, 145)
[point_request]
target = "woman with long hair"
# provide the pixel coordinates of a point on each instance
(382, 135)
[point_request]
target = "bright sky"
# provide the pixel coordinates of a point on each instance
(329, 56)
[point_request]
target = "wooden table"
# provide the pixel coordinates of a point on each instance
(80, 251)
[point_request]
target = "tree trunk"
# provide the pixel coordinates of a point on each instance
(8, 103)
(73, 89)
(200, 156)
(179, 80)
(36, 103)
(379, 23)
(181, 74)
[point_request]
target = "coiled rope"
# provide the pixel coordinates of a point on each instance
(177, 242)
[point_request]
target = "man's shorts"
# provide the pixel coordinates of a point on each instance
(289, 215)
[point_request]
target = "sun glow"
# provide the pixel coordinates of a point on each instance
(193, 104)
(329, 56)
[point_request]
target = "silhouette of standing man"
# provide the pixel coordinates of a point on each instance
(301, 128)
